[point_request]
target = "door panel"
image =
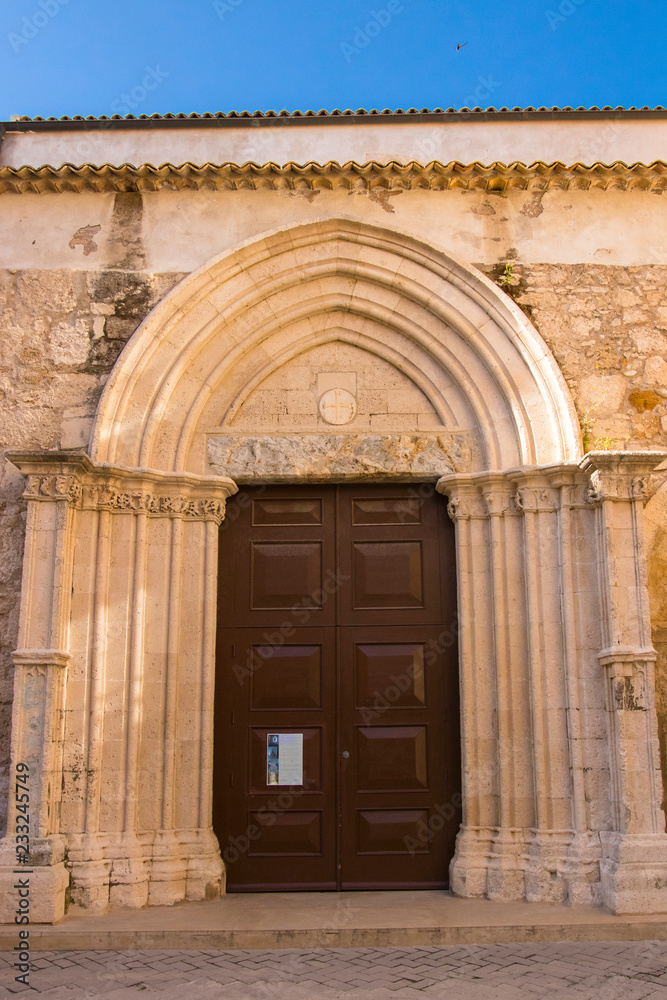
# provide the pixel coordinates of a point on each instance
(292, 678)
(388, 556)
(291, 834)
(391, 758)
(403, 763)
(387, 575)
(278, 558)
(283, 573)
(337, 622)
(275, 836)
(387, 674)
(387, 831)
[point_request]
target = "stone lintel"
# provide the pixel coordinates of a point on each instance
(317, 457)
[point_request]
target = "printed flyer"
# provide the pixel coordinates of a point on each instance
(284, 759)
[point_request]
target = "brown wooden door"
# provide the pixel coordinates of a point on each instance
(337, 623)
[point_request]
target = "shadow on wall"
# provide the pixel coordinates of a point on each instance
(656, 549)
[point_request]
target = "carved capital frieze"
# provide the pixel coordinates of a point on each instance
(617, 487)
(109, 496)
(620, 476)
(532, 499)
(72, 477)
(466, 505)
(499, 501)
(61, 487)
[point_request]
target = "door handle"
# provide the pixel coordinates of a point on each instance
(346, 754)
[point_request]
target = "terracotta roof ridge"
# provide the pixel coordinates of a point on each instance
(336, 114)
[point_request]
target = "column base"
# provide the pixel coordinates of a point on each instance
(634, 872)
(116, 871)
(545, 866)
(507, 865)
(43, 884)
(563, 867)
(469, 868)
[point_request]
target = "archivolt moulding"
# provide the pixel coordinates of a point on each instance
(486, 370)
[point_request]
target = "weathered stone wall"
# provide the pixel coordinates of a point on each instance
(61, 331)
(607, 328)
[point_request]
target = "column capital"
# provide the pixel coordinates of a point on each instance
(41, 658)
(74, 478)
(620, 475)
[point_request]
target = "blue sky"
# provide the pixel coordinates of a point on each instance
(66, 57)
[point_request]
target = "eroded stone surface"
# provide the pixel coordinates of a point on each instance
(317, 457)
(607, 328)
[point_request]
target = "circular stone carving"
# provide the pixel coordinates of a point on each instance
(337, 406)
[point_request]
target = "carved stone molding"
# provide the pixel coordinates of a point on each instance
(53, 487)
(72, 477)
(28, 658)
(106, 496)
(312, 177)
(620, 475)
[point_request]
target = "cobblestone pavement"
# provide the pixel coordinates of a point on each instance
(599, 971)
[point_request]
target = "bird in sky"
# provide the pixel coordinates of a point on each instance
(460, 46)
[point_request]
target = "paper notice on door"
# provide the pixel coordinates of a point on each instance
(284, 759)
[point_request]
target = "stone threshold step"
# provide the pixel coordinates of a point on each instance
(335, 920)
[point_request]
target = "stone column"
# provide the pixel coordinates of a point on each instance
(634, 863)
(40, 666)
(497, 767)
(137, 789)
(578, 866)
(479, 725)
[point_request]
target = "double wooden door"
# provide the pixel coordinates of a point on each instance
(336, 643)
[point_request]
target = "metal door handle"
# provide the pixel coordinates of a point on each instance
(346, 754)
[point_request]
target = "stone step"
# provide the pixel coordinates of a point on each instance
(335, 920)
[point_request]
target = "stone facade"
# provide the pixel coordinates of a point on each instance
(326, 338)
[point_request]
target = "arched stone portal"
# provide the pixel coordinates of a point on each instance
(114, 670)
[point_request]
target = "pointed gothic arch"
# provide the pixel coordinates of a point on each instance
(482, 363)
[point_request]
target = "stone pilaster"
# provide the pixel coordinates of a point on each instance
(634, 863)
(53, 491)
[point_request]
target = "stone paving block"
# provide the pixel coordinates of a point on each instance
(569, 971)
